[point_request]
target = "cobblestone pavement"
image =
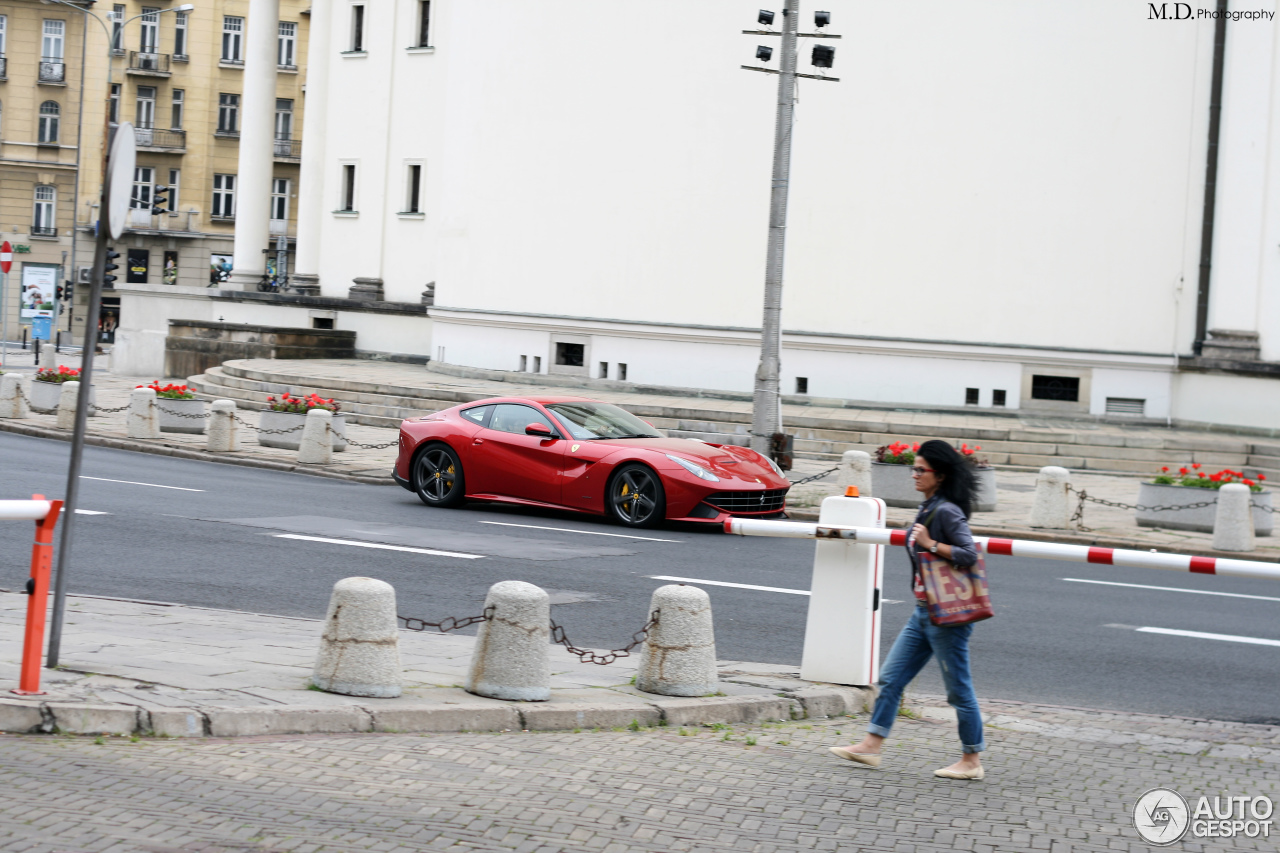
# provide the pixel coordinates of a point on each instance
(1057, 780)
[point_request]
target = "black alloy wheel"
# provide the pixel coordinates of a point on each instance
(635, 496)
(437, 476)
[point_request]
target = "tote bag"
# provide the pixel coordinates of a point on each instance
(955, 595)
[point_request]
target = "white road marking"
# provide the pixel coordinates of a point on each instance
(1201, 635)
(379, 545)
(734, 585)
(572, 530)
(132, 483)
(1176, 589)
(88, 511)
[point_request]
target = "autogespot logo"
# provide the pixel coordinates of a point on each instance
(1161, 816)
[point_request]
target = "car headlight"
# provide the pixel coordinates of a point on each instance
(694, 468)
(772, 464)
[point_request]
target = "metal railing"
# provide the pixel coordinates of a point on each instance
(288, 149)
(227, 134)
(154, 62)
(43, 231)
(4, 68)
(150, 137)
(53, 71)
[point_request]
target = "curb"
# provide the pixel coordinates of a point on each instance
(1070, 537)
(81, 718)
(162, 449)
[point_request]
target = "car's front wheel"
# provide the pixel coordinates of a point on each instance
(437, 476)
(635, 496)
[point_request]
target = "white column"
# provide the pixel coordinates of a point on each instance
(257, 124)
(1269, 287)
(311, 188)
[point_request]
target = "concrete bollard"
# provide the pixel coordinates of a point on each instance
(13, 397)
(855, 470)
(1233, 522)
(512, 659)
(68, 397)
(359, 649)
(224, 432)
(679, 656)
(317, 445)
(1051, 507)
(143, 419)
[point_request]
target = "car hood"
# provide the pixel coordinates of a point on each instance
(727, 461)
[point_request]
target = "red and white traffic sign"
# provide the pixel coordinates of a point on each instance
(6, 257)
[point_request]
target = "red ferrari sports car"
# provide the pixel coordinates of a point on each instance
(578, 454)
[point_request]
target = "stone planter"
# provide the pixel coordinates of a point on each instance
(171, 411)
(894, 485)
(44, 397)
(292, 440)
(1199, 519)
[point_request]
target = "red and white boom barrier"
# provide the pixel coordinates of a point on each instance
(1015, 548)
(45, 514)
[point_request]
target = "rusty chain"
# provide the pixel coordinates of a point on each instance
(256, 428)
(1077, 518)
(449, 624)
(587, 656)
(815, 476)
(355, 443)
(182, 414)
(101, 411)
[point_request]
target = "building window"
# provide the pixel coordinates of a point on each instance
(413, 194)
(802, 385)
(604, 370)
(224, 197)
(117, 26)
(348, 187)
(228, 112)
(179, 34)
(175, 181)
(971, 396)
(54, 34)
(424, 23)
(286, 45)
(115, 103)
(232, 35)
(145, 116)
(357, 28)
(42, 218)
(997, 397)
(4, 26)
(144, 178)
(280, 199)
(48, 130)
(284, 118)
(150, 30)
(179, 98)
(1064, 388)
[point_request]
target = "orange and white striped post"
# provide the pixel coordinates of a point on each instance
(45, 514)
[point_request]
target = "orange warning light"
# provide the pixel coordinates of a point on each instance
(850, 491)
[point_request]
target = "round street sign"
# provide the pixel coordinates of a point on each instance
(6, 257)
(124, 157)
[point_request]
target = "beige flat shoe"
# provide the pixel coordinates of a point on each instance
(868, 758)
(948, 773)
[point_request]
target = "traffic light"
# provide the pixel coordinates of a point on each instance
(57, 293)
(69, 290)
(108, 280)
(158, 200)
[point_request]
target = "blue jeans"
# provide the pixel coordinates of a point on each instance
(920, 640)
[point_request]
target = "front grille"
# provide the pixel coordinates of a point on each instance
(770, 500)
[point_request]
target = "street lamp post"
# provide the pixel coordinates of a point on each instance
(89, 347)
(766, 414)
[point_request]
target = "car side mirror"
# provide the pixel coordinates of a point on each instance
(540, 430)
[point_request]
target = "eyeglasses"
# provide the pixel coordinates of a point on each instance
(920, 472)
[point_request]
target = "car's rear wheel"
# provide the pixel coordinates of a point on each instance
(635, 496)
(437, 476)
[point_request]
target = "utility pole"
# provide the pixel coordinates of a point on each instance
(766, 416)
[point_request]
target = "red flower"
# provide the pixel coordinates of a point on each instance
(1165, 469)
(1196, 465)
(1248, 482)
(1262, 476)
(1215, 477)
(1183, 471)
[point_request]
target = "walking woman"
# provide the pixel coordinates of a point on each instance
(941, 527)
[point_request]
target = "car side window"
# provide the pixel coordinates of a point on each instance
(476, 414)
(512, 417)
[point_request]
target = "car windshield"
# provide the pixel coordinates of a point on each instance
(600, 420)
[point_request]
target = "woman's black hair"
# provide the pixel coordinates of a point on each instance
(958, 483)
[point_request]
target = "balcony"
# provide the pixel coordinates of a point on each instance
(43, 231)
(148, 64)
(288, 149)
(4, 68)
(53, 71)
(165, 141)
(223, 133)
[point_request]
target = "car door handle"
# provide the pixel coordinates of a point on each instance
(478, 441)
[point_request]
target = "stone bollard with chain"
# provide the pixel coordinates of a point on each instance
(679, 655)
(855, 470)
(359, 649)
(1051, 507)
(1233, 523)
(143, 420)
(511, 659)
(224, 432)
(68, 397)
(13, 397)
(316, 447)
